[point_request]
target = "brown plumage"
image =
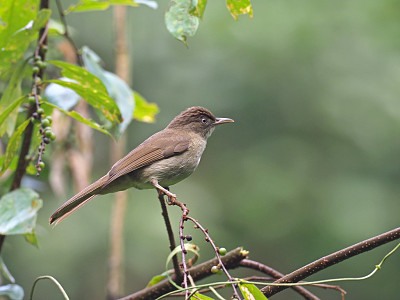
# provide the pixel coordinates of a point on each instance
(165, 158)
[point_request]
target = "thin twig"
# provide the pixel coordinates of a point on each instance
(332, 259)
(171, 237)
(66, 32)
(220, 265)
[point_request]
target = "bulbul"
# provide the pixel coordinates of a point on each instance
(164, 159)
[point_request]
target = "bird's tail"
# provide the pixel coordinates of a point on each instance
(77, 201)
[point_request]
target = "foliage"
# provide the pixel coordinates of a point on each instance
(34, 87)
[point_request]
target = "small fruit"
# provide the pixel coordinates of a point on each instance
(214, 269)
(45, 123)
(50, 119)
(41, 165)
(40, 111)
(46, 140)
(222, 251)
(35, 70)
(31, 99)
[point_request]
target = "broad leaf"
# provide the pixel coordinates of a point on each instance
(251, 292)
(15, 41)
(31, 238)
(13, 145)
(7, 111)
(116, 88)
(90, 5)
(89, 87)
(239, 7)
(144, 111)
(10, 95)
(18, 211)
(13, 291)
(61, 96)
(80, 118)
(180, 21)
(200, 7)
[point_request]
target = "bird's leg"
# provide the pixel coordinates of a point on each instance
(171, 197)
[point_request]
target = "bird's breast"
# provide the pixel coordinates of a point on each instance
(171, 170)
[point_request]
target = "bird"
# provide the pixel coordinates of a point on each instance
(165, 158)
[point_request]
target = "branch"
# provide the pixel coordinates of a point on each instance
(247, 263)
(231, 260)
(332, 259)
(172, 245)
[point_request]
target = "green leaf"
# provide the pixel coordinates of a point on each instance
(7, 111)
(180, 21)
(15, 40)
(156, 279)
(80, 118)
(13, 145)
(239, 7)
(12, 92)
(144, 111)
(5, 272)
(60, 96)
(13, 291)
(202, 297)
(90, 88)
(188, 246)
(31, 238)
(251, 292)
(116, 88)
(200, 7)
(18, 211)
(90, 5)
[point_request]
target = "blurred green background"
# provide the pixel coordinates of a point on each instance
(310, 166)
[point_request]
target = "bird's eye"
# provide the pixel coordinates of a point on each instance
(204, 120)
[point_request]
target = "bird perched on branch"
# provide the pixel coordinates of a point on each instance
(164, 159)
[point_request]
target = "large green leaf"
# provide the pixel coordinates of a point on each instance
(7, 111)
(200, 7)
(90, 5)
(116, 88)
(12, 92)
(251, 292)
(144, 111)
(15, 37)
(5, 272)
(239, 7)
(79, 117)
(13, 291)
(13, 145)
(61, 96)
(180, 20)
(90, 88)
(18, 211)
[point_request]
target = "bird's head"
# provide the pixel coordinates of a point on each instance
(198, 120)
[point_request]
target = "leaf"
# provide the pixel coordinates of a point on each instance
(13, 145)
(144, 111)
(201, 297)
(5, 272)
(89, 87)
(116, 88)
(60, 96)
(13, 291)
(6, 112)
(90, 5)
(150, 3)
(200, 7)
(12, 92)
(180, 21)
(80, 118)
(188, 246)
(18, 211)
(156, 279)
(251, 292)
(16, 40)
(31, 238)
(239, 7)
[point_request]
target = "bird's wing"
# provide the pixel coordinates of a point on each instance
(159, 146)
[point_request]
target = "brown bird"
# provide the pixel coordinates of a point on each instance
(164, 159)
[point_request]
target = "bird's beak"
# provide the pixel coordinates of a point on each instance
(223, 120)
